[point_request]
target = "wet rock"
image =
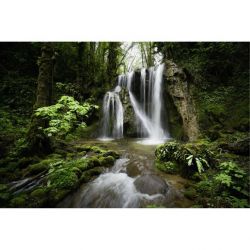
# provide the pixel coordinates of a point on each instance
(151, 184)
(240, 147)
(133, 170)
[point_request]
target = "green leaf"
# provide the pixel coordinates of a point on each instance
(190, 156)
(190, 161)
(199, 165)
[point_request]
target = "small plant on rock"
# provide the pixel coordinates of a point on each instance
(198, 162)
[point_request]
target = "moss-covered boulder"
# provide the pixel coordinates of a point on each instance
(55, 176)
(41, 166)
(106, 161)
(183, 158)
(19, 201)
(168, 167)
(89, 174)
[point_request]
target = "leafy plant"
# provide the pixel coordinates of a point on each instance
(198, 162)
(224, 179)
(65, 115)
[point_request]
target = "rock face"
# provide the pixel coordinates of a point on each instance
(180, 95)
(129, 123)
(151, 184)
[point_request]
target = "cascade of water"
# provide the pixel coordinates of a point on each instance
(148, 110)
(150, 118)
(122, 80)
(142, 131)
(140, 114)
(157, 103)
(112, 115)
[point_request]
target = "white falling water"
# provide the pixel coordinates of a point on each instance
(157, 104)
(112, 115)
(140, 114)
(148, 109)
(150, 118)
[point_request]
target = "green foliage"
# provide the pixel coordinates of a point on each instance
(224, 179)
(167, 167)
(18, 202)
(65, 115)
(192, 156)
(42, 166)
(228, 188)
(62, 179)
(198, 162)
(167, 151)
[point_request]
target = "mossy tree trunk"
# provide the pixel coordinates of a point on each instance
(80, 65)
(38, 142)
(113, 53)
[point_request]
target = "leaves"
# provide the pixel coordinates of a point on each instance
(199, 165)
(224, 179)
(65, 115)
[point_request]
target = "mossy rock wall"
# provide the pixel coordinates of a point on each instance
(181, 102)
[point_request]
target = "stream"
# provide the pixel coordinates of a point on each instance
(132, 182)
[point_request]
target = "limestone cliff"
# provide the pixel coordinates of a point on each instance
(179, 92)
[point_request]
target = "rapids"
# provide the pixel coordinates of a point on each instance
(118, 187)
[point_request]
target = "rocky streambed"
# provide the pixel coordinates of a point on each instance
(133, 181)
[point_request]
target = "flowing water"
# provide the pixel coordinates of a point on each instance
(148, 108)
(112, 115)
(132, 182)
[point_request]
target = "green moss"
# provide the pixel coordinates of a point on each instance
(39, 193)
(168, 167)
(63, 179)
(190, 193)
(88, 175)
(111, 153)
(4, 198)
(106, 161)
(94, 161)
(42, 166)
(97, 149)
(80, 148)
(3, 187)
(18, 202)
(77, 171)
(56, 195)
(25, 161)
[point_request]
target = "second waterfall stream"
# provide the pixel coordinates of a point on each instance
(147, 106)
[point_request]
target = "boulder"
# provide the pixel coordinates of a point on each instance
(151, 184)
(240, 147)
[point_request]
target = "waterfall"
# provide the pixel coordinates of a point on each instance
(149, 111)
(112, 115)
(148, 107)
(157, 103)
(140, 114)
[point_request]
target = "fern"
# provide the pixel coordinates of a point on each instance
(198, 162)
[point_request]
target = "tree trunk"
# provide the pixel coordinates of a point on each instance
(79, 73)
(112, 62)
(38, 142)
(45, 77)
